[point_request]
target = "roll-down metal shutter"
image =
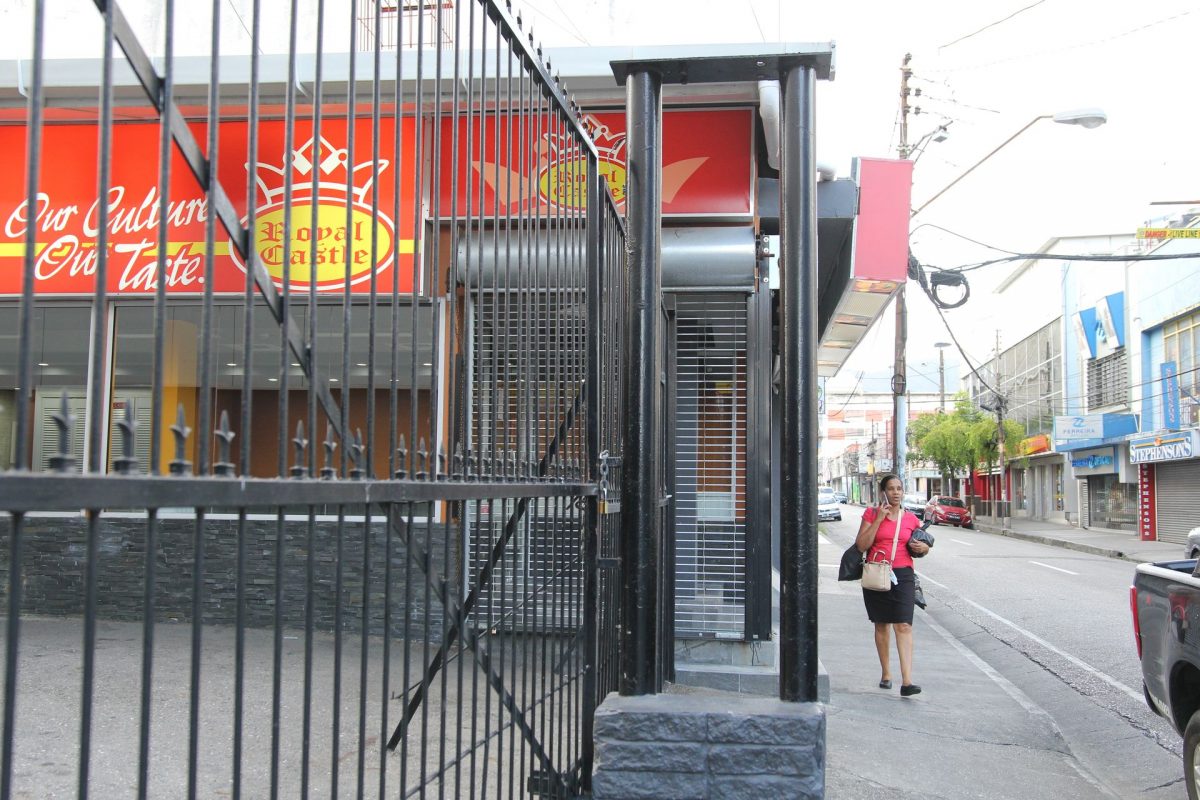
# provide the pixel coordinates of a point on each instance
(1178, 508)
(710, 465)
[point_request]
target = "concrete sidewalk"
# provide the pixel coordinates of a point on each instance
(971, 733)
(1097, 541)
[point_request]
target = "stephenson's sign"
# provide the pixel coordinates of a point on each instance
(1172, 446)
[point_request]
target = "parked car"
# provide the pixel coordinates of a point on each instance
(947, 510)
(840, 496)
(828, 506)
(1165, 601)
(1193, 544)
(915, 504)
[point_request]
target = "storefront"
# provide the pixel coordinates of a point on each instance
(1037, 481)
(1169, 474)
(1110, 502)
(320, 264)
(1100, 486)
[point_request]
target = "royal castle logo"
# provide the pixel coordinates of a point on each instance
(316, 238)
(562, 181)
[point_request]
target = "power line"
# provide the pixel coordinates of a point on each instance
(1068, 48)
(964, 237)
(992, 25)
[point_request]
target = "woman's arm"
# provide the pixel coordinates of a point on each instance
(867, 530)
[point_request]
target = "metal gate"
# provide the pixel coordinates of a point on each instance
(332, 513)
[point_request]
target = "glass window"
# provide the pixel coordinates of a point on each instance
(182, 340)
(59, 352)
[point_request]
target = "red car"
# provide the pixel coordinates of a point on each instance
(946, 510)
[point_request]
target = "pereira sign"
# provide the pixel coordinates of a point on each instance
(336, 236)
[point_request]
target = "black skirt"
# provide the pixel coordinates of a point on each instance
(895, 605)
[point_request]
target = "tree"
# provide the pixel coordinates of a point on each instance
(961, 440)
(945, 439)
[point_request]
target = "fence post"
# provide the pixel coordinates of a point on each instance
(798, 332)
(640, 531)
(591, 535)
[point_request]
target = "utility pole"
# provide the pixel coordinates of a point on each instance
(941, 348)
(899, 378)
(905, 108)
(1003, 509)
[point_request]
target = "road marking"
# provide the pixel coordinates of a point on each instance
(1104, 676)
(1015, 693)
(1004, 683)
(1049, 566)
(821, 539)
(960, 541)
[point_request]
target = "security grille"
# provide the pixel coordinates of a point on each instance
(1108, 380)
(710, 464)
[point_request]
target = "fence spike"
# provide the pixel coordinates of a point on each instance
(402, 459)
(329, 472)
(127, 426)
(422, 461)
(224, 467)
(63, 461)
(181, 431)
(356, 454)
(300, 469)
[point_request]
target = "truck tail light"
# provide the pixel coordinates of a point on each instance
(1137, 624)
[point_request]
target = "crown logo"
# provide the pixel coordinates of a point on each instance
(331, 164)
(610, 145)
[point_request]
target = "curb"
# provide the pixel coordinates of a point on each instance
(1077, 546)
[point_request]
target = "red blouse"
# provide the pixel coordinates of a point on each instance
(882, 548)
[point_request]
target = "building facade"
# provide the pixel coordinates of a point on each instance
(1164, 378)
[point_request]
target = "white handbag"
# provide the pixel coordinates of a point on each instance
(877, 575)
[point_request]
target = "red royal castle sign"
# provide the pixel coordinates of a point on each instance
(344, 222)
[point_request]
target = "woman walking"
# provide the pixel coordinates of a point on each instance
(886, 529)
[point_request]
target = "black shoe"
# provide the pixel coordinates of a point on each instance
(885, 684)
(910, 690)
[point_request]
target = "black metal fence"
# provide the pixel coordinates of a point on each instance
(332, 509)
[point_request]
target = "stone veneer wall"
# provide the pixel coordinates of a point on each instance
(708, 745)
(54, 556)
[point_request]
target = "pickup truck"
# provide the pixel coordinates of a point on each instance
(1165, 601)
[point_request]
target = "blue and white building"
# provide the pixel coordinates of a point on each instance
(1164, 344)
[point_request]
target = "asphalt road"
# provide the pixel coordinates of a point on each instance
(1061, 710)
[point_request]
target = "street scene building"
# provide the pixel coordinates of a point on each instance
(395, 401)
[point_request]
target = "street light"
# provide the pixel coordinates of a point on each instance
(1085, 118)
(941, 346)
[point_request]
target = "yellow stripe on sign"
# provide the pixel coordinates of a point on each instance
(17, 249)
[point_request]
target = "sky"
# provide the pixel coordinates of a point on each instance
(985, 69)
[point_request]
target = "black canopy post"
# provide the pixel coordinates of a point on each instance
(640, 528)
(798, 349)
